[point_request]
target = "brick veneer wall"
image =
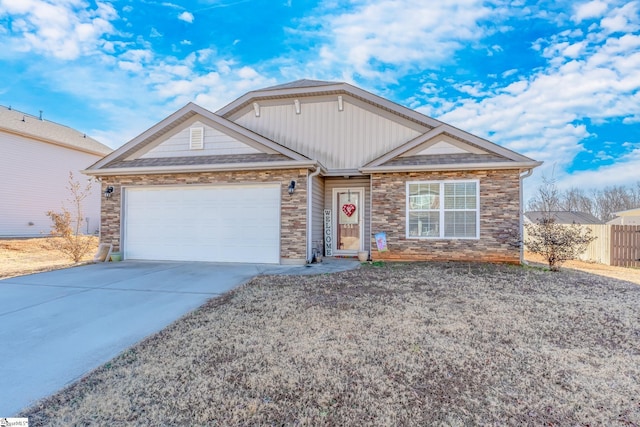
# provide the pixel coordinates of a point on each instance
(499, 218)
(293, 218)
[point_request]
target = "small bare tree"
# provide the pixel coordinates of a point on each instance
(68, 224)
(557, 243)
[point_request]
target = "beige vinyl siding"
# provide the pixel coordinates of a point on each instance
(356, 182)
(215, 143)
(338, 139)
(317, 233)
(34, 180)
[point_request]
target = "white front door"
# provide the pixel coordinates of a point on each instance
(348, 220)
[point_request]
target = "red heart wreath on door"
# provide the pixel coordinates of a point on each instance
(348, 209)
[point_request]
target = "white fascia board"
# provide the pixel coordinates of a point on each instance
(452, 167)
(200, 168)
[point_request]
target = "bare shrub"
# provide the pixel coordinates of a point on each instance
(557, 243)
(68, 224)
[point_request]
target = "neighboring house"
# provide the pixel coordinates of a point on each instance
(36, 158)
(563, 217)
(309, 167)
(628, 217)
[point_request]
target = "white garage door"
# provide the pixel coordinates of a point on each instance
(234, 223)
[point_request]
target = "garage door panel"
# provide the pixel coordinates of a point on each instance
(219, 224)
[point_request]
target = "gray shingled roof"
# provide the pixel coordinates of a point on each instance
(25, 124)
(198, 160)
(299, 84)
(564, 217)
(445, 159)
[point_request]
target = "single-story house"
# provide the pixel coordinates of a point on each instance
(37, 156)
(311, 167)
(563, 217)
(628, 217)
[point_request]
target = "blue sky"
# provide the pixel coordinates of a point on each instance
(558, 81)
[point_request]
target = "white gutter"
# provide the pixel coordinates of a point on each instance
(150, 170)
(451, 167)
(310, 177)
(521, 225)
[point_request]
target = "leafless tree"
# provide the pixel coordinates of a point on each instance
(547, 199)
(600, 203)
(613, 199)
(576, 200)
(68, 224)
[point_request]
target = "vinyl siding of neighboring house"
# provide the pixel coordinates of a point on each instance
(34, 176)
(628, 217)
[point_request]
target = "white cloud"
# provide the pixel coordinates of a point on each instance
(590, 10)
(590, 79)
(65, 29)
(623, 19)
(384, 39)
(623, 172)
(186, 17)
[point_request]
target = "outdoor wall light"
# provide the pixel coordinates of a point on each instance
(292, 187)
(108, 191)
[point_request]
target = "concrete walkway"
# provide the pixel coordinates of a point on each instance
(57, 326)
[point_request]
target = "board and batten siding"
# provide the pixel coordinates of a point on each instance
(215, 143)
(344, 139)
(354, 182)
(35, 177)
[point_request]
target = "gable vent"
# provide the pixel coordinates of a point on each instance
(196, 138)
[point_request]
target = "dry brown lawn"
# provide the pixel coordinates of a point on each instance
(451, 344)
(629, 274)
(26, 256)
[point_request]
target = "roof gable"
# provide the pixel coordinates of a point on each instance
(340, 131)
(214, 141)
(310, 88)
(446, 147)
(167, 145)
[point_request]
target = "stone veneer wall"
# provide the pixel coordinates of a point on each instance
(293, 215)
(499, 218)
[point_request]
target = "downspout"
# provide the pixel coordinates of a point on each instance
(310, 213)
(521, 226)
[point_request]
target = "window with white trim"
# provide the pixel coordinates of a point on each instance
(443, 209)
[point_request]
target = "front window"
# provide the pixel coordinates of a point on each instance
(443, 209)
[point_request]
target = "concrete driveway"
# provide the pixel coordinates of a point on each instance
(57, 326)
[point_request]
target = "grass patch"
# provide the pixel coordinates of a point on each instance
(411, 344)
(26, 256)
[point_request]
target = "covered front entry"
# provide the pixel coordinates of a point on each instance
(225, 223)
(348, 220)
